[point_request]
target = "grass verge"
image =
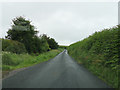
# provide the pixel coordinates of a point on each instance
(12, 61)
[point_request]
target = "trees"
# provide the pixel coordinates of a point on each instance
(52, 43)
(44, 45)
(40, 45)
(23, 32)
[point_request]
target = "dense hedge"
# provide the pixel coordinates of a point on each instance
(99, 52)
(13, 46)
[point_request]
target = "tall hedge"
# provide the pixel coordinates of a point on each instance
(100, 53)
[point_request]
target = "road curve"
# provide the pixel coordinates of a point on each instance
(59, 72)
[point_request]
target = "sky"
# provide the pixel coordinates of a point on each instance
(66, 22)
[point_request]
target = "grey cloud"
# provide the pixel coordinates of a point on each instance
(66, 22)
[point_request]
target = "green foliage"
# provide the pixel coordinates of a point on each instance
(11, 61)
(5, 44)
(99, 53)
(64, 47)
(13, 46)
(51, 42)
(8, 60)
(22, 31)
(39, 45)
(44, 45)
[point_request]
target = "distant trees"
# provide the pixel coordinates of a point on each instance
(22, 31)
(52, 43)
(64, 47)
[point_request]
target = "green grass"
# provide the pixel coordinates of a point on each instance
(12, 61)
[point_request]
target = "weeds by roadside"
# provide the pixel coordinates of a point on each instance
(12, 61)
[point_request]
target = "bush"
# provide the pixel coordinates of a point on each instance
(13, 46)
(5, 44)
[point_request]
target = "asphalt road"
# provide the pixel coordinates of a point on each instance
(59, 72)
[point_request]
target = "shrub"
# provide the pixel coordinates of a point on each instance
(13, 46)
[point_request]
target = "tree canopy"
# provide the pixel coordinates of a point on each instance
(52, 43)
(23, 31)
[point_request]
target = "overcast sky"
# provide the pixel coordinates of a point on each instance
(65, 22)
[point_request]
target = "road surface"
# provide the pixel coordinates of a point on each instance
(59, 72)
